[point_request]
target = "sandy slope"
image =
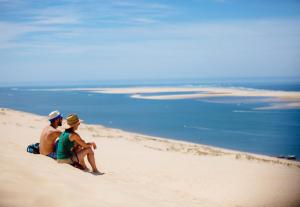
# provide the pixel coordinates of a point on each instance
(140, 171)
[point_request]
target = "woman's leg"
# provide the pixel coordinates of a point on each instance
(91, 159)
(80, 155)
(90, 154)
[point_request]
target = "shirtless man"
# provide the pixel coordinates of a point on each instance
(50, 134)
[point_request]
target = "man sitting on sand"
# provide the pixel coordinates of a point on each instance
(72, 148)
(49, 135)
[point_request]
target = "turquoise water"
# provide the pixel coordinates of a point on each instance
(229, 123)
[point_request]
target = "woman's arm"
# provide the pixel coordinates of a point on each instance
(75, 137)
(93, 144)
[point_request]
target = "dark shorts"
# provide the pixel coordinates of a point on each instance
(53, 154)
(71, 160)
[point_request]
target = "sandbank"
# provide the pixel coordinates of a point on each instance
(202, 92)
(274, 98)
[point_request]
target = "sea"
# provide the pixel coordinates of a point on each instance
(231, 123)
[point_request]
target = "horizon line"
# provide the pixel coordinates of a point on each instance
(135, 81)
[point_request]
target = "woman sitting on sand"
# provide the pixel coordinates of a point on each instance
(72, 148)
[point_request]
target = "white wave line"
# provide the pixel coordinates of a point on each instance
(197, 127)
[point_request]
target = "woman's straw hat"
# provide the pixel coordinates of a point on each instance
(71, 121)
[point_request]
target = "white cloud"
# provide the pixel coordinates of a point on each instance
(263, 31)
(143, 45)
(55, 15)
(56, 20)
(143, 20)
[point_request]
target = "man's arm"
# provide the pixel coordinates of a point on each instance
(55, 133)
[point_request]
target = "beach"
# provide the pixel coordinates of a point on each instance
(139, 170)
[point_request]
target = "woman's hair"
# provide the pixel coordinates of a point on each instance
(70, 130)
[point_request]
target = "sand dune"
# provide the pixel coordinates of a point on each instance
(139, 171)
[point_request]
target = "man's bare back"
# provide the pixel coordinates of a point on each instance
(47, 140)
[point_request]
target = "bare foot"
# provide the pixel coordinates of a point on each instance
(96, 172)
(86, 169)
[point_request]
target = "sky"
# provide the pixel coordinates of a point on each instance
(83, 40)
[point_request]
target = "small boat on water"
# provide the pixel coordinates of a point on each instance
(288, 157)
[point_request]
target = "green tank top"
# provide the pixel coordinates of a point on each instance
(65, 145)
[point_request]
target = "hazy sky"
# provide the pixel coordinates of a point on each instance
(43, 40)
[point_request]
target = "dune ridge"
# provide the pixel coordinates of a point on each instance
(139, 171)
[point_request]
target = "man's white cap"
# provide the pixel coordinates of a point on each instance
(54, 115)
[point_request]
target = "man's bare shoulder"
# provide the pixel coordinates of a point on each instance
(53, 130)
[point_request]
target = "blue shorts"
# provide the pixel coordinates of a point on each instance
(52, 155)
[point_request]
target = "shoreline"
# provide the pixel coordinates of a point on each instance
(182, 146)
(140, 170)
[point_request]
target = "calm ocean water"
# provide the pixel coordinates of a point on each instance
(230, 123)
